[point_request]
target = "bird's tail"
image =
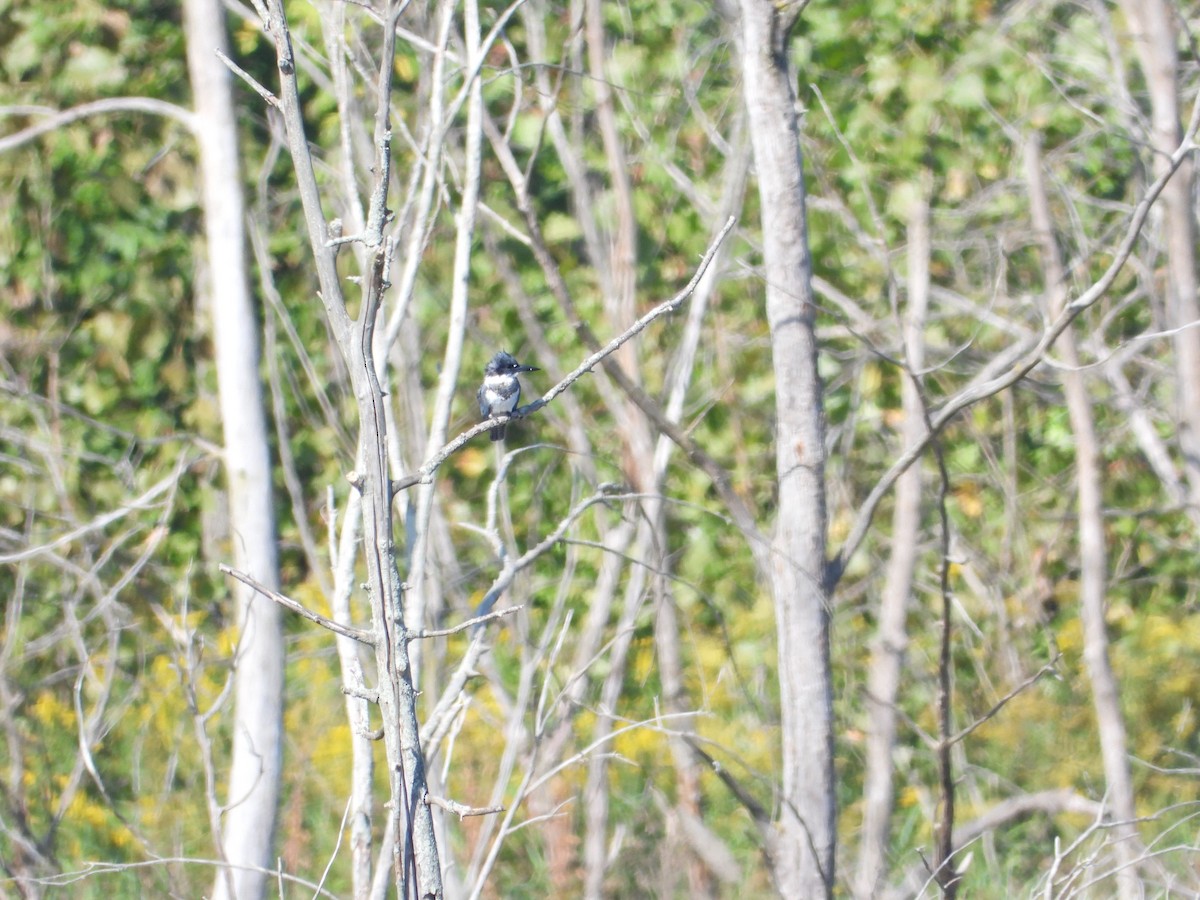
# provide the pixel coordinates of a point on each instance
(497, 433)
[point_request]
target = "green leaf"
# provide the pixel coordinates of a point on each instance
(93, 68)
(560, 228)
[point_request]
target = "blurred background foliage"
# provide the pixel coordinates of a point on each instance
(108, 389)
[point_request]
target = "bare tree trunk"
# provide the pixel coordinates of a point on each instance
(1154, 38)
(688, 795)
(891, 637)
(596, 791)
(362, 769)
(621, 257)
(706, 849)
(802, 849)
(619, 262)
(1092, 553)
(413, 846)
(249, 826)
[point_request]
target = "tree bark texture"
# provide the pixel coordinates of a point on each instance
(802, 852)
(249, 823)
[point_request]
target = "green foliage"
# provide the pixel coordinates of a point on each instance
(108, 390)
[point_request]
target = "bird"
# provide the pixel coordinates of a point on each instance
(500, 392)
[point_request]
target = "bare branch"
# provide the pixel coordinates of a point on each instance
(758, 813)
(362, 693)
(425, 473)
(58, 118)
(241, 73)
(100, 522)
(325, 257)
(604, 493)
(459, 809)
(1026, 362)
(1002, 814)
(463, 626)
(1037, 676)
(94, 869)
(355, 634)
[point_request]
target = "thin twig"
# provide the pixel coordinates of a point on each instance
(336, 847)
(355, 634)
(241, 73)
(605, 493)
(459, 809)
(91, 870)
(1003, 701)
(423, 633)
(144, 502)
(758, 813)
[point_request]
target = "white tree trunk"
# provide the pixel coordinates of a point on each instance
(1154, 38)
(801, 851)
(1093, 564)
(249, 825)
(891, 637)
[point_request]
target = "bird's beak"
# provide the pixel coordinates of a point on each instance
(528, 369)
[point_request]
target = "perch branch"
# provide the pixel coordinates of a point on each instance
(425, 473)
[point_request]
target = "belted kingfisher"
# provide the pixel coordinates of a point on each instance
(500, 392)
